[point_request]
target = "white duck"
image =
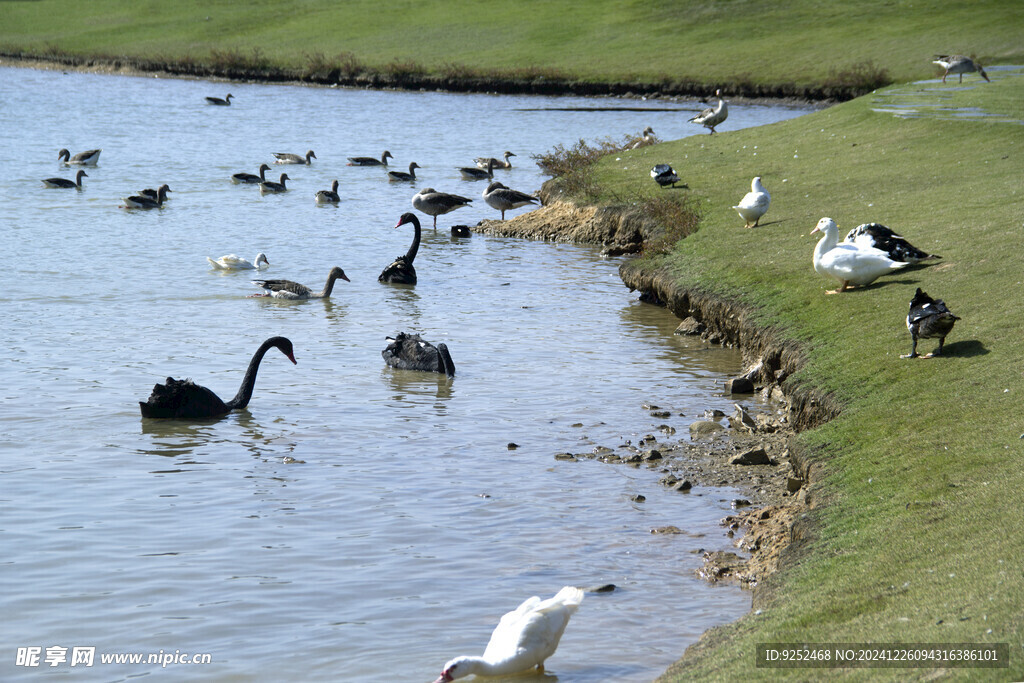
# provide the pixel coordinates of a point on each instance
(851, 264)
(232, 262)
(523, 638)
(754, 203)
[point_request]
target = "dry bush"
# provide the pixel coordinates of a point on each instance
(678, 215)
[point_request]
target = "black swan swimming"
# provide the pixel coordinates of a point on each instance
(401, 270)
(183, 399)
(410, 352)
(286, 289)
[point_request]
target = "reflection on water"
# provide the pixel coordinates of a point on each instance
(353, 517)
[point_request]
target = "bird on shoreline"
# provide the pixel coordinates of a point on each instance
(928, 319)
(87, 158)
(522, 640)
(65, 183)
(713, 116)
(503, 198)
(251, 178)
(398, 176)
(226, 102)
(328, 196)
(754, 204)
(482, 162)
(185, 400)
(233, 262)
(880, 237)
(959, 64)
(289, 158)
(434, 203)
(647, 137)
(370, 161)
(851, 264)
(293, 291)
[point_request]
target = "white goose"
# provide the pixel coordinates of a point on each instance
(232, 262)
(754, 203)
(434, 203)
(523, 639)
(88, 158)
(481, 162)
(504, 199)
(851, 264)
(713, 116)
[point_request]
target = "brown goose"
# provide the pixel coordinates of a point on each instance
(251, 178)
(481, 162)
(64, 182)
(270, 187)
(288, 158)
(286, 289)
(434, 203)
(713, 116)
(370, 161)
(503, 199)
(88, 158)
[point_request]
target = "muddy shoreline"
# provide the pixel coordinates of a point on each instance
(777, 483)
(783, 93)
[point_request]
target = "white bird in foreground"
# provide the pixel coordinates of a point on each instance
(713, 116)
(851, 264)
(754, 203)
(503, 198)
(959, 64)
(232, 262)
(523, 638)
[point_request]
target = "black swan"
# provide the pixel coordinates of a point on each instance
(286, 289)
(401, 270)
(183, 399)
(410, 352)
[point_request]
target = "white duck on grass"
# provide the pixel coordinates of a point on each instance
(851, 264)
(754, 204)
(522, 640)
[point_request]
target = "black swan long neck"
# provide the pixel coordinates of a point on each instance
(415, 246)
(241, 399)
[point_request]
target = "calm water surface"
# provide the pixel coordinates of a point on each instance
(408, 527)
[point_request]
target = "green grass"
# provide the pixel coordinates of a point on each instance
(803, 42)
(919, 540)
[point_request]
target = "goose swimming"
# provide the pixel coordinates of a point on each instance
(270, 187)
(226, 102)
(251, 178)
(370, 161)
(474, 173)
(64, 182)
(286, 289)
(88, 158)
(482, 162)
(328, 196)
(141, 201)
(397, 176)
(288, 158)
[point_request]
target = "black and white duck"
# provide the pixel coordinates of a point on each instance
(928, 319)
(880, 237)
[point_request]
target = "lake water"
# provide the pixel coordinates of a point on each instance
(355, 522)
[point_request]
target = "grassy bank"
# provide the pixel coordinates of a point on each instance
(804, 43)
(919, 540)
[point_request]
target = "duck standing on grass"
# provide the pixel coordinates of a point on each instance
(928, 319)
(880, 237)
(959, 64)
(851, 264)
(665, 175)
(754, 203)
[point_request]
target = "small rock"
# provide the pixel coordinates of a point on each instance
(565, 456)
(512, 445)
(638, 498)
(649, 406)
(653, 454)
(633, 457)
(690, 326)
(289, 460)
(666, 429)
(667, 530)
(740, 503)
(662, 414)
(793, 484)
(739, 385)
(669, 480)
(601, 450)
(683, 486)
(756, 456)
(705, 428)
